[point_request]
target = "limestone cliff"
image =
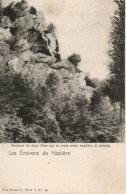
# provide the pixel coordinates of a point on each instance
(35, 48)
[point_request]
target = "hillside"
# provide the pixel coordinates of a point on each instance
(45, 98)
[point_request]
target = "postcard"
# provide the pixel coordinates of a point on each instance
(62, 97)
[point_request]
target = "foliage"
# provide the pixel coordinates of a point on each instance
(116, 79)
(74, 59)
(91, 82)
(12, 129)
(0, 8)
(53, 109)
(95, 101)
(105, 123)
(33, 10)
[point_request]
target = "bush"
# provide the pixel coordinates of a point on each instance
(90, 82)
(105, 122)
(32, 10)
(74, 59)
(12, 129)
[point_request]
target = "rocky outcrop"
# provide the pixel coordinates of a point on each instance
(28, 55)
(47, 44)
(36, 73)
(28, 30)
(65, 64)
(29, 37)
(4, 34)
(16, 64)
(5, 22)
(23, 24)
(15, 10)
(79, 79)
(35, 48)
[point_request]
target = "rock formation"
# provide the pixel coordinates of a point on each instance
(35, 48)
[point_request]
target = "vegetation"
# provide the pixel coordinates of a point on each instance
(0, 8)
(115, 86)
(33, 10)
(116, 80)
(75, 59)
(53, 112)
(56, 109)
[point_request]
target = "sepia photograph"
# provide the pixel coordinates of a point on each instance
(62, 71)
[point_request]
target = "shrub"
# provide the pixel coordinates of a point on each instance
(12, 129)
(105, 122)
(90, 82)
(74, 59)
(32, 10)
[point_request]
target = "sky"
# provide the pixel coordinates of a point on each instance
(83, 27)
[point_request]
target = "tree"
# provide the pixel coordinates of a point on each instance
(116, 79)
(95, 101)
(116, 53)
(0, 8)
(12, 129)
(75, 59)
(91, 82)
(33, 10)
(105, 122)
